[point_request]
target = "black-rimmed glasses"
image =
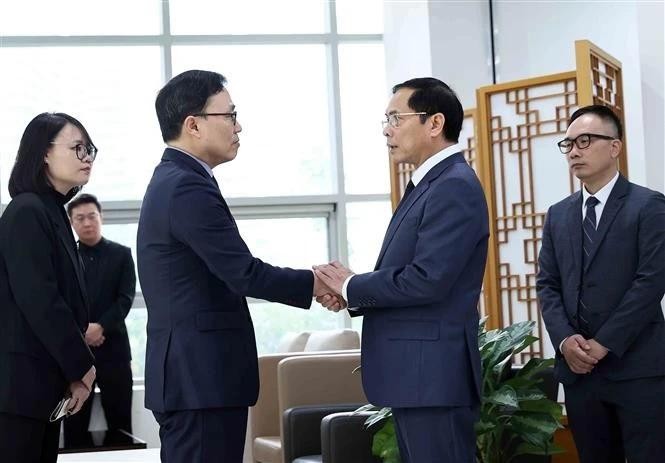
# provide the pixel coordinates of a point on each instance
(582, 141)
(233, 115)
(82, 150)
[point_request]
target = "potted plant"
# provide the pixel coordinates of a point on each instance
(516, 417)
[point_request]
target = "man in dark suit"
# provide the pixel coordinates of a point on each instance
(195, 271)
(600, 283)
(420, 331)
(110, 283)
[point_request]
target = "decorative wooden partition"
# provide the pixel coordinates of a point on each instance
(510, 141)
(523, 173)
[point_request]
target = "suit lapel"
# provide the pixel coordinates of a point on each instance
(399, 216)
(187, 162)
(66, 239)
(614, 204)
(574, 221)
(102, 258)
(403, 209)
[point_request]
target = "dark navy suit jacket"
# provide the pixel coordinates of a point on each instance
(624, 280)
(420, 305)
(195, 271)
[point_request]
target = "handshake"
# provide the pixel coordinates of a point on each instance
(328, 282)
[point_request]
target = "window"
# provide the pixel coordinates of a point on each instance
(310, 183)
(281, 96)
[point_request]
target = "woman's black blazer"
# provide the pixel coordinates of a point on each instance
(43, 306)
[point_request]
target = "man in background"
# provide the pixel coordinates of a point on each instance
(600, 283)
(110, 283)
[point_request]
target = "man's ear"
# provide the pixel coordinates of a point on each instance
(616, 148)
(190, 126)
(438, 121)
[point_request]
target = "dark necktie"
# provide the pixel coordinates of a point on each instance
(589, 226)
(409, 188)
(588, 243)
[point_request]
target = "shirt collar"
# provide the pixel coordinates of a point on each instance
(203, 164)
(603, 194)
(426, 166)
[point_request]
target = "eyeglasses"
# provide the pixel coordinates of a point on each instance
(82, 150)
(393, 120)
(582, 141)
(233, 115)
(80, 218)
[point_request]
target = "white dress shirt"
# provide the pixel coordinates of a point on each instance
(416, 177)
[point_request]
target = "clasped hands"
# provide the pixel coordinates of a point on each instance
(582, 354)
(328, 282)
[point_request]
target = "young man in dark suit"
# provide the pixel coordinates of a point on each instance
(195, 271)
(600, 284)
(110, 282)
(420, 329)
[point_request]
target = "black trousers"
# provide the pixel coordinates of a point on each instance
(612, 421)
(455, 440)
(27, 440)
(203, 436)
(115, 383)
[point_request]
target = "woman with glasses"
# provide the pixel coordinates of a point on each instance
(43, 306)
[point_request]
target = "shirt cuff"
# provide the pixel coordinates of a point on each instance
(345, 293)
(561, 345)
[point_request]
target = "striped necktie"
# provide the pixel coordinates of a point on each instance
(589, 242)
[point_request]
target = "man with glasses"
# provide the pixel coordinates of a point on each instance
(110, 283)
(600, 284)
(201, 364)
(420, 304)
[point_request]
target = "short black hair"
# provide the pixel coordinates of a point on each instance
(433, 96)
(605, 113)
(29, 171)
(182, 96)
(82, 199)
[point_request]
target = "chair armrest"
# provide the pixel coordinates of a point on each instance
(345, 438)
(302, 428)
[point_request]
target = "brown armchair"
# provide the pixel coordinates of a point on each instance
(320, 378)
(263, 430)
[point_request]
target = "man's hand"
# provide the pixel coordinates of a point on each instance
(80, 391)
(597, 351)
(94, 335)
(575, 350)
(326, 297)
(332, 302)
(333, 275)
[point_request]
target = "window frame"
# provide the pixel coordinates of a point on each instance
(332, 207)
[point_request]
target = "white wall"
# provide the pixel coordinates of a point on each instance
(451, 40)
(536, 38)
(650, 25)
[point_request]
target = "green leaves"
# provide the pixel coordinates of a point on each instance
(513, 409)
(504, 396)
(384, 444)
